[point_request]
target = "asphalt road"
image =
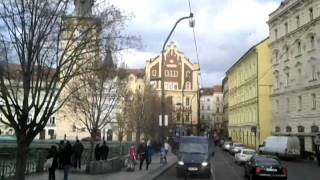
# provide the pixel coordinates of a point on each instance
(224, 168)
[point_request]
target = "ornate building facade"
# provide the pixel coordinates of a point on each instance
(181, 85)
(295, 46)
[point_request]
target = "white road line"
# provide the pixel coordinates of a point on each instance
(233, 170)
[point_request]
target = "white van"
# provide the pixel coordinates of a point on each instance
(282, 146)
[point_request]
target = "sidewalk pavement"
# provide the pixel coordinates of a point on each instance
(155, 170)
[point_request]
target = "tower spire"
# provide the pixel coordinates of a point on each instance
(83, 8)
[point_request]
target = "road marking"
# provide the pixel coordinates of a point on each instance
(233, 170)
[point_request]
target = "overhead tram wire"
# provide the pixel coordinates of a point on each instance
(195, 44)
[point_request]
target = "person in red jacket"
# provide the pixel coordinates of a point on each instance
(132, 157)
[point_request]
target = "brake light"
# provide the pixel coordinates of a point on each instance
(285, 171)
(258, 170)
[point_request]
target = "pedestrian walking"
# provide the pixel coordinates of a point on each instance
(78, 150)
(66, 159)
(166, 147)
(132, 157)
(163, 158)
(142, 153)
(97, 152)
(104, 151)
(60, 153)
(53, 153)
(148, 155)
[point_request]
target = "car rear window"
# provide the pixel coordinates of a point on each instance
(267, 162)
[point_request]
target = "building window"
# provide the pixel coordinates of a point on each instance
(277, 129)
(208, 107)
(277, 57)
(299, 47)
(288, 129)
(312, 42)
(167, 73)
(202, 117)
(298, 21)
(311, 13)
(287, 78)
(154, 73)
(299, 103)
(276, 33)
(287, 53)
(208, 99)
(286, 28)
(218, 99)
(314, 72)
(187, 101)
(188, 85)
(277, 106)
(314, 129)
(202, 107)
(218, 109)
(300, 129)
(314, 101)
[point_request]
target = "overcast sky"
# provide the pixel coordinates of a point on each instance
(225, 29)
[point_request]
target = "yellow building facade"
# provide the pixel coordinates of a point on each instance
(249, 81)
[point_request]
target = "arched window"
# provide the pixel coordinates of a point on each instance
(277, 129)
(288, 129)
(300, 129)
(314, 129)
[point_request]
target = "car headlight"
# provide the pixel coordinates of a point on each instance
(204, 163)
(181, 163)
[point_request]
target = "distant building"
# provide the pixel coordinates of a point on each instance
(249, 104)
(295, 46)
(206, 109)
(217, 110)
(181, 86)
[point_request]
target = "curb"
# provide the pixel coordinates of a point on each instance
(159, 171)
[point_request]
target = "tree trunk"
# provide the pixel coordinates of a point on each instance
(138, 134)
(92, 142)
(21, 160)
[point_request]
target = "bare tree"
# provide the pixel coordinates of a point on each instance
(95, 97)
(43, 50)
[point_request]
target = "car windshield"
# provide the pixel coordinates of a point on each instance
(193, 148)
(267, 162)
(248, 152)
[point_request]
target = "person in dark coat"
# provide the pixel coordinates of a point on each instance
(60, 153)
(104, 151)
(66, 159)
(77, 149)
(53, 153)
(97, 152)
(142, 153)
(318, 154)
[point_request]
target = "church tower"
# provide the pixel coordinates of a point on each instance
(83, 8)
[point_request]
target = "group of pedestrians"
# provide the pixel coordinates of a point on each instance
(101, 151)
(63, 156)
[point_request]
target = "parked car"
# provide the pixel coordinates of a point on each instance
(281, 146)
(235, 148)
(268, 167)
(244, 155)
(227, 145)
(194, 156)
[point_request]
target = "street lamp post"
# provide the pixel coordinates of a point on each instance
(162, 73)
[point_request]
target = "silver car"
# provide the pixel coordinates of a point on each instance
(236, 147)
(244, 155)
